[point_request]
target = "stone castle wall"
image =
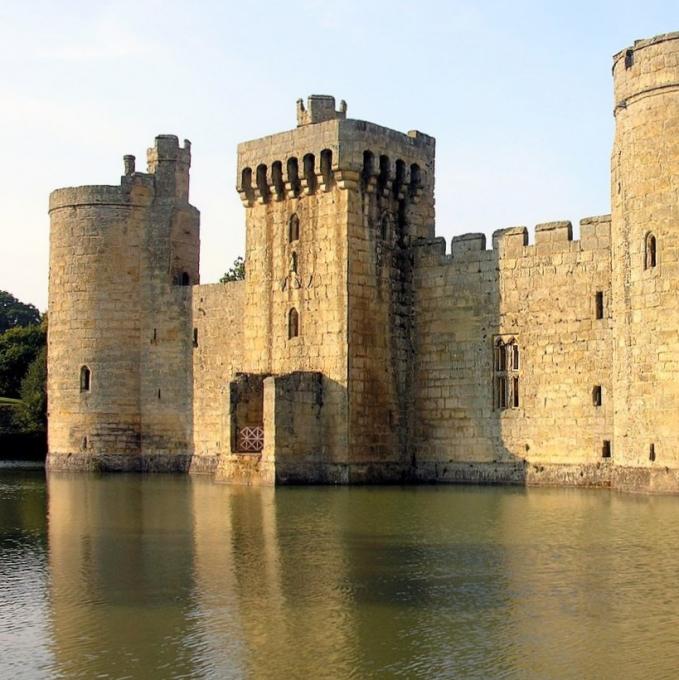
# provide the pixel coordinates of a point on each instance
(540, 297)
(356, 349)
(218, 312)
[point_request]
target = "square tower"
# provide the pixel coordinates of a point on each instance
(331, 209)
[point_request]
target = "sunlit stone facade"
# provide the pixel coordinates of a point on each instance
(359, 348)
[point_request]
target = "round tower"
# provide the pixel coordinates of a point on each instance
(645, 237)
(94, 321)
(122, 262)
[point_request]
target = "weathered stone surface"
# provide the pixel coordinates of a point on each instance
(357, 350)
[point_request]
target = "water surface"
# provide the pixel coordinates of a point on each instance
(128, 576)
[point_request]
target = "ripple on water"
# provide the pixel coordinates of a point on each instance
(130, 577)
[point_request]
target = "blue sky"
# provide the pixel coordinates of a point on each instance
(518, 95)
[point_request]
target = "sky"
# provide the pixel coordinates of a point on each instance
(518, 95)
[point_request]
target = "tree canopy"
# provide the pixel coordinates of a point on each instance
(18, 348)
(236, 272)
(14, 313)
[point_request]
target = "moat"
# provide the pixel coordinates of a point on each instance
(176, 577)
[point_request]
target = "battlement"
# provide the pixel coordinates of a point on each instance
(136, 188)
(166, 148)
(550, 238)
(319, 108)
(647, 68)
(334, 151)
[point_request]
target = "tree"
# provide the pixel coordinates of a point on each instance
(31, 414)
(14, 313)
(236, 272)
(18, 348)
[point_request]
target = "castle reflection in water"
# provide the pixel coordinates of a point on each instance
(179, 577)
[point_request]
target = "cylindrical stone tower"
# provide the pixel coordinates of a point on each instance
(122, 259)
(645, 238)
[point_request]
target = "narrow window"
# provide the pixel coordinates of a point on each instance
(629, 58)
(185, 279)
(293, 262)
(195, 337)
(650, 254)
(515, 357)
(606, 449)
(384, 227)
(651, 453)
(506, 378)
(597, 395)
(155, 336)
(85, 379)
(400, 177)
(501, 397)
(293, 323)
(159, 394)
(500, 357)
(599, 304)
(415, 178)
(293, 228)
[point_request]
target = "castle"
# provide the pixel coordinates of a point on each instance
(357, 349)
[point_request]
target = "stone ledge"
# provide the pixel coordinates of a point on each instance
(71, 462)
(204, 465)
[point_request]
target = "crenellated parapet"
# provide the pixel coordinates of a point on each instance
(319, 108)
(550, 238)
(167, 174)
(329, 150)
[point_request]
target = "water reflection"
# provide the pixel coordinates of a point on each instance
(155, 577)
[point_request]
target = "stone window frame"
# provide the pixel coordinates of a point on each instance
(507, 373)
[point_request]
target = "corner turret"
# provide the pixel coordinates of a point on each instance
(319, 108)
(170, 163)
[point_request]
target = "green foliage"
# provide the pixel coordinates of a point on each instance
(7, 418)
(18, 348)
(236, 272)
(31, 414)
(14, 314)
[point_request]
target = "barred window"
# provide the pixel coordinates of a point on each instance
(506, 377)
